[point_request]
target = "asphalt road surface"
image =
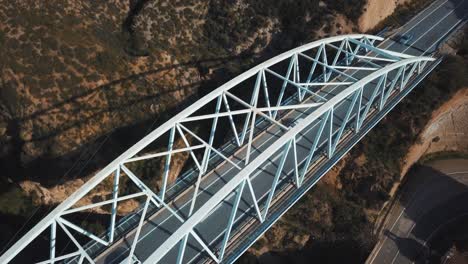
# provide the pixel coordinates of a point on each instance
(428, 28)
(434, 196)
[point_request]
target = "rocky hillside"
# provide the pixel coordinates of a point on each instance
(74, 71)
(81, 81)
(70, 75)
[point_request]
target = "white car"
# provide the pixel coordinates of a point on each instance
(405, 39)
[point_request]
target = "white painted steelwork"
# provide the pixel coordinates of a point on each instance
(386, 72)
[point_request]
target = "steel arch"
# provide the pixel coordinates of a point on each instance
(287, 140)
(284, 142)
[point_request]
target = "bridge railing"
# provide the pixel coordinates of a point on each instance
(229, 102)
(189, 177)
(379, 86)
(321, 165)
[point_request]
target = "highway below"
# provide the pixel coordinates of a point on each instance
(434, 196)
(429, 28)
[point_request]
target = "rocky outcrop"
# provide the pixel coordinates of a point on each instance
(51, 196)
(42, 196)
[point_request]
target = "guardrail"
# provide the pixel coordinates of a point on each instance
(258, 229)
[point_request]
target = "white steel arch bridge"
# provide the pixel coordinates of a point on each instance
(286, 122)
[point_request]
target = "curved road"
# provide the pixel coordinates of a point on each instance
(433, 196)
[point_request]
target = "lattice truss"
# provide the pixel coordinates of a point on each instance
(279, 119)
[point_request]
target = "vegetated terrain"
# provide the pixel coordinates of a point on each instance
(338, 214)
(81, 81)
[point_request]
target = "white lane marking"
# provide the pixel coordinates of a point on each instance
(394, 223)
(422, 19)
(395, 257)
(433, 26)
(413, 224)
(423, 11)
(457, 172)
(448, 32)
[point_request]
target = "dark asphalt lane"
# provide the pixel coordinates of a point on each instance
(262, 185)
(163, 224)
(434, 195)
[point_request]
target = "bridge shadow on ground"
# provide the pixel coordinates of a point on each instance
(115, 141)
(432, 201)
(339, 251)
(410, 248)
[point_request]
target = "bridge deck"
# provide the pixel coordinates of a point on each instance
(428, 29)
(268, 153)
